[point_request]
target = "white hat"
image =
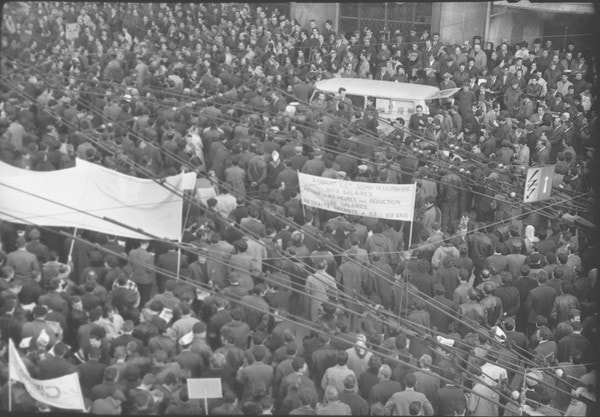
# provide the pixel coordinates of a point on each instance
(127, 97)
(499, 334)
(25, 343)
(43, 339)
(363, 168)
(186, 339)
(533, 378)
(445, 341)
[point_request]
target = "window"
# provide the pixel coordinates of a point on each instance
(383, 105)
(268, 8)
(386, 17)
(357, 101)
(402, 107)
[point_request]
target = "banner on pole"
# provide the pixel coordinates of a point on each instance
(538, 184)
(63, 392)
(385, 201)
(204, 388)
(87, 195)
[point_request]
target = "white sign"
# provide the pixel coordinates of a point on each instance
(384, 201)
(204, 388)
(538, 184)
(72, 31)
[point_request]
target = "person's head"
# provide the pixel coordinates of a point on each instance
(374, 362)
(543, 333)
(429, 201)
(425, 361)
(111, 374)
(305, 397)
(299, 364)
(385, 372)
(331, 393)
(341, 358)
(410, 380)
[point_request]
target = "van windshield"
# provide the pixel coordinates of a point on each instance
(400, 107)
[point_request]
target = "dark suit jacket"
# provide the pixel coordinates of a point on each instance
(142, 263)
(519, 339)
(90, 375)
(568, 344)
(540, 302)
(383, 391)
(168, 261)
(449, 400)
(54, 367)
(190, 361)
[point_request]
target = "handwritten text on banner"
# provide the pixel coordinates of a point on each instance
(386, 201)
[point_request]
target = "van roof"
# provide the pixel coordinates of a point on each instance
(377, 88)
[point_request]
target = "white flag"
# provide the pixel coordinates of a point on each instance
(63, 392)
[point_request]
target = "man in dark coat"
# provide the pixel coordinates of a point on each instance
(382, 391)
(539, 302)
(357, 404)
(524, 286)
(91, 372)
(187, 359)
(439, 310)
(517, 338)
(168, 261)
(567, 345)
(56, 366)
(143, 274)
(480, 247)
(322, 359)
(450, 399)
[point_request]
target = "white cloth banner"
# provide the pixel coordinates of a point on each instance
(384, 201)
(63, 198)
(63, 392)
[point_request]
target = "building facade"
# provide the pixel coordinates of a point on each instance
(459, 21)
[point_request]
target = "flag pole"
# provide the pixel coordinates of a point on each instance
(410, 233)
(10, 380)
(182, 228)
(70, 257)
(9, 393)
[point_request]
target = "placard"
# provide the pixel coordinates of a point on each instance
(199, 388)
(384, 201)
(72, 31)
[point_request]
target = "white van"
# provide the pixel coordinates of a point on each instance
(391, 99)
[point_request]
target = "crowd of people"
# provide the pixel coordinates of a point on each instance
(480, 306)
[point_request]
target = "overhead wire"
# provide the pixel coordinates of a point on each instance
(311, 327)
